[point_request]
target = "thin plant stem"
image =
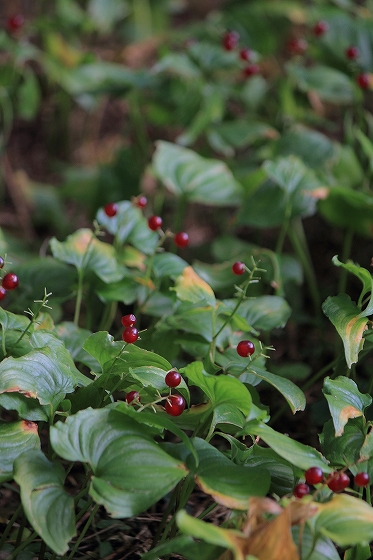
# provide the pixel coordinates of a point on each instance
(83, 532)
(284, 229)
(346, 252)
(43, 548)
(167, 512)
(79, 296)
(23, 545)
(20, 530)
(10, 524)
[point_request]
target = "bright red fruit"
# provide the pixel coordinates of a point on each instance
(128, 320)
(154, 222)
(363, 80)
(2, 293)
(362, 479)
(320, 28)
(230, 40)
(338, 481)
(9, 281)
(181, 239)
(132, 396)
(251, 70)
(245, 348)
(173, 378)
(111, 209)
(313, 475)
(15, 23)
(297, 46)
(175, 405)
(246, 54)
(238, 268)
(301, 490)
(141, 201)
(352, 52)
(130, 335)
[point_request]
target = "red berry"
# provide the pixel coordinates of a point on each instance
(181, 239)
(338, 481)
(320, 28)
(246, 54)
(297, 46)
(245, 348)
(238, 268)
(313, 475)
(9, 281)
(130, 335)
(363, 80)
(175, 405)
(251, 70)
(155, 222)
(132, 396)
(362, 479)
(173, 378)
(352, 52)
(141, 201)
(230, 40)
(111, 209)
(2, 262)
(301, 490)
(15, 23)
(129, 320)
(2, 293)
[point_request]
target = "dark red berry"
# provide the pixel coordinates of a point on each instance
(251, 70)
(246, 55)
(132, 396)
(2, 293)
(141, 201)
(155, 222)
(175, 405)
(128, 320)
(297, 46)
(245, 348)
(15, 23)
(230, 40)
(320, 28)
(313, 475)
(362, 479)
(363, 80)
(338, 481)
(173, 378)
(9, 281)
(181, 239)
(238, 268)
(111, 209)
(352, 52)
(130, 335)
(2, 262)
(301, 490)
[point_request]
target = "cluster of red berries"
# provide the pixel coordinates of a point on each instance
(230, 42)
(130, 333)
(336, 481)
(175, 404)
(8, 282)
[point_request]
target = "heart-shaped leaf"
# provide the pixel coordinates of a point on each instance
(15, 438)
(329, 84)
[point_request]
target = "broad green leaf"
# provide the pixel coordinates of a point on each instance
(348, 208)
(168, 264)
(345, 401)
(366, 278)
(48, 507)
(187, 174)
(16, 438)
(287, 173)
(130, 471)
(344, 450)
(314, 149)
(322, 549)
(282, 472)
(211, 57)
(153, 377)
(190, 287)
(366, 145)
(83, 250)
(344, 519)
(190, 319)
(329, 84)
(105, 13)
(49, 386)
(346, 317)
(126, 290)
(358, 552)
(10, 321)
(228, 136)
(74, 338)
(116, 360)
(179, 64)
(28, 96)
(185, 546)
(265, 313)
(298, 454)
(292, 393)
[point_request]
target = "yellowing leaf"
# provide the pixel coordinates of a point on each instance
(191, 287)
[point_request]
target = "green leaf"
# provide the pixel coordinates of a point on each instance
(15, 439)
(48, 507)
(346, 317)
(322, 549)
(10, 321)
(315, 149)
(366, 278)
(149, 376)
(347, 208)
(265, 313)
(331, 85)
(130, 471)
(179, 64)
(28, 96)
(74, 338)
(344, 450)
(358, 552)
(345, 401)
(187, 174)
(228, 136)
(168, 264)
(298, 454)
(287, 173)
(190, 287)
(344, 519)
(105, 13)
(83, 250)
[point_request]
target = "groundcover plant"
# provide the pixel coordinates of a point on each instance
(195, 357)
